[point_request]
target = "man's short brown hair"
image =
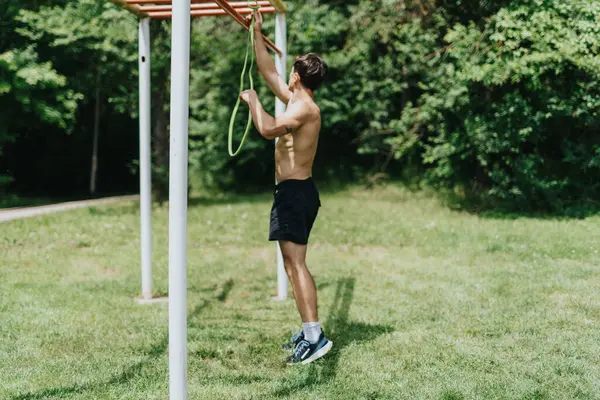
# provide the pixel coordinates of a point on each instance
(312, 70)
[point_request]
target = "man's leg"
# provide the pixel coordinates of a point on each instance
(303, 284)
(312, 344)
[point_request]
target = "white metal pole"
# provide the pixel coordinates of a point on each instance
(145, 162)
(280, 64)
(178, 179)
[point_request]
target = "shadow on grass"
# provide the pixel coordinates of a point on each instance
(127, 375)
(156, 351)
(225, 291)
(342, 332)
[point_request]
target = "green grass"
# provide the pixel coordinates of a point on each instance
(421, 302)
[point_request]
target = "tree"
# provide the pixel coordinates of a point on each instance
(34, 92)
(509, 107)
(95, 34)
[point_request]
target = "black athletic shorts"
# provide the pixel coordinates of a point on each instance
(295, 207)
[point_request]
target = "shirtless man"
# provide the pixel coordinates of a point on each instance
(296, 201)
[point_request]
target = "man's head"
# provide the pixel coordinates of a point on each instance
(309, 71)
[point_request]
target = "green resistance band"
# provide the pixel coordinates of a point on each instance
(249, 53)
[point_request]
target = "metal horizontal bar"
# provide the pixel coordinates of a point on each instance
(129, 7)
(204, 6)
(245, 23)
(133, 6)
(164, 1)
(209, 13)
(278, 4)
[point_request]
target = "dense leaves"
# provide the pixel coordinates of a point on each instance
(492, 99)
(511, 108)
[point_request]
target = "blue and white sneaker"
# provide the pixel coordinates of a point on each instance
(306, 352)
(296, 338)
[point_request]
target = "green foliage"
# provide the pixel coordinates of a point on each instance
(517, 113)
(37, 88)
(29, 86)
(218, 46)
(34, 91)
(506, 107)
(492, 99)
(86, 51)
(217, 51)
(94, 34)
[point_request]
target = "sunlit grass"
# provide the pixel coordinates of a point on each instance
(421, 302)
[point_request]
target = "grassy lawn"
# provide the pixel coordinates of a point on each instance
(421, 302)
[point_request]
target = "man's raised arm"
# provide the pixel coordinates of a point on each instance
(273, 127)
(266, 66)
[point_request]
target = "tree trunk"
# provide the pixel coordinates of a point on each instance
(160, 187)
(94, 172)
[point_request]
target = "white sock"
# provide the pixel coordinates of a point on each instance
(312, 331)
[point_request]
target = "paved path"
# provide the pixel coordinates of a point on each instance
(17, 213)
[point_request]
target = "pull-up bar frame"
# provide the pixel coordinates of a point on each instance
(180, 12)
(163, 9)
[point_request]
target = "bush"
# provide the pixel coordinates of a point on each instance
(509, 108)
